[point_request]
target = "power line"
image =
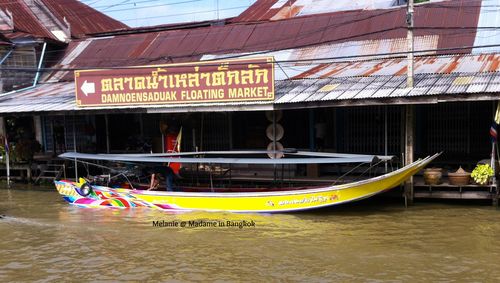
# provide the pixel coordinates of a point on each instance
(286, 37)
(125, 2)
(151, 6)
(80, 13)
(187, 13)
(322, 29)
(395, 8)
(394, 55)
(459, 32)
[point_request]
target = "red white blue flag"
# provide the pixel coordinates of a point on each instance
(494, 125)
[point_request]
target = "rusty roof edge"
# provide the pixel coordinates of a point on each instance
(28, 11)
(62, 16)
(158, 28)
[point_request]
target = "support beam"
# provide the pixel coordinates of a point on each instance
(3, 133)
(3, 130)
(74, 148)
(409, 149)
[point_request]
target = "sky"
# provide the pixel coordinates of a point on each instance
(136, 13)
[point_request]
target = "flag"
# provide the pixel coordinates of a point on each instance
(494, 125)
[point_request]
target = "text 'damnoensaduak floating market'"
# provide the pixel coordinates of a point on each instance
(198, 82)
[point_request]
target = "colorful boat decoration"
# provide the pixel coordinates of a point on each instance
(294, 199)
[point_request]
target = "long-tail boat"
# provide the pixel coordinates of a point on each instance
(88, 194)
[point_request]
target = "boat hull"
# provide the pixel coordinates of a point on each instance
(280, 201)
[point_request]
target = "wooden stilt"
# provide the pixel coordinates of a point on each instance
(409, 147)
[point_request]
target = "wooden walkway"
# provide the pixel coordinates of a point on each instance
(17, 171)
(448, 191)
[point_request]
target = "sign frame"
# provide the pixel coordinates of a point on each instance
(255, 83)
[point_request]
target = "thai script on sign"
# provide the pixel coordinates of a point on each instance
(213, 81)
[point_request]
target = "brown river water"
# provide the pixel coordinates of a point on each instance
(45, 239)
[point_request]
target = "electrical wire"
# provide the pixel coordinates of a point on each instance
(394, 55)
(147, 60)
(151, 6)
(187, 13)
(267, 51)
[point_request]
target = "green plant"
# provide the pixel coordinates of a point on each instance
(482, 173)
(3, 153)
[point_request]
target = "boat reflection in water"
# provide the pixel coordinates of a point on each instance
(84, 193)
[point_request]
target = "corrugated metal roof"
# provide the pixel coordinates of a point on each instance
(82, 18)
(332, 34)
(381, 87)
(265, 10)
(285, 9)
(460, 63)
(24, 20)
(465, 78)
(449, 64)
(60, 97)
(430, 16)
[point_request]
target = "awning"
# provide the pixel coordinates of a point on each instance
(60, 97)
(429, 88)
(440, 79)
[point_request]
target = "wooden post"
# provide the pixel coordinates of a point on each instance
(74, 148)
(409, 116)
(409, 147)
(107, 132)
(7, 162)
(494, 145)
(3, 132)
(385, 136)
(312, 135)
(496, 195)
(230, 126)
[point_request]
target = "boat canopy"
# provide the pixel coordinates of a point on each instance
(307, 157)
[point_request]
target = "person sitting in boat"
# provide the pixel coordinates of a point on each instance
(162, 173)
(155, 182)
(170, 179)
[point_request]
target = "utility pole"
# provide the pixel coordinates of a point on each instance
(409, 39)
(409, 109)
